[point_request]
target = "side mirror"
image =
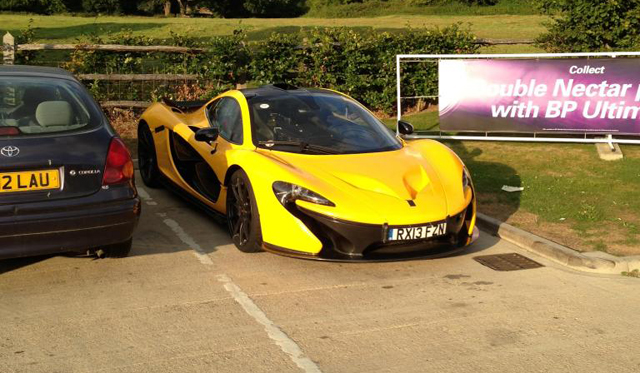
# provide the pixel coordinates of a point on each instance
(207, 134)
(405, 128)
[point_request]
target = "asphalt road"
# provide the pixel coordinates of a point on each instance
(187, 301)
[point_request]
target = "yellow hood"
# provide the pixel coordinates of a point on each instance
(373, 188)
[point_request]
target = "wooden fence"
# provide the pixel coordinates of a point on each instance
(9, 49)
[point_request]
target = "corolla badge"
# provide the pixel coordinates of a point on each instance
(10, 151)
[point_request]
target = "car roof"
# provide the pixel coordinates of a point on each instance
(283, 89)
(41, 71)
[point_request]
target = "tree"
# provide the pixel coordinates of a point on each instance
(73, 5)
(169, 6)
(591, 25)
(256, 8)
(36, 6)
(275, 8)
(105, 6)
(227, 8)
(183, 6)
(155, 7)
(101, 6)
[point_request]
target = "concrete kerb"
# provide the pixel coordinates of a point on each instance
(594, 262)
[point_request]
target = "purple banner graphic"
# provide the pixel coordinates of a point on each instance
(568, 95)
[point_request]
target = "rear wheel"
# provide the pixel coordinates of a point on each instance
(242, 214)
(147, 158)
(119, 250)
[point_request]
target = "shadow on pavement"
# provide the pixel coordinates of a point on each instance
(156, 234)
(165, 227)
(8, 265)
(488, 179)
(485, 242)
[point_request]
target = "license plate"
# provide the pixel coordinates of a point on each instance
(418, 232)
(26, 181)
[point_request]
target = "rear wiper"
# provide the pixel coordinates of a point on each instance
(303, 146)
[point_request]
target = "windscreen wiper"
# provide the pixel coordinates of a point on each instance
(303, 146)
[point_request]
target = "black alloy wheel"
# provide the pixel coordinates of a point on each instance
(242, 214)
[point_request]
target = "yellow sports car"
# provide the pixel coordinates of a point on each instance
(309, 173)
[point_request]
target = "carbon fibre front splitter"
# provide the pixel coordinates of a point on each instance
(429, 252)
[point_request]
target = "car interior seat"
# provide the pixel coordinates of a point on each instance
(52, 116)
(31, 98)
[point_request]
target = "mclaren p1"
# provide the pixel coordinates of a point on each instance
(309, 173)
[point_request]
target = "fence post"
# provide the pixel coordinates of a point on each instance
(8, 49)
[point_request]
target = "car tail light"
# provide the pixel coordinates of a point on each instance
(119, 167)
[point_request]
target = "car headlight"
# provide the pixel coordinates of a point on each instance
(288, 193)
(466, 178)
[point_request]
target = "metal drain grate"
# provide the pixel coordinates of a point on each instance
(507, 262)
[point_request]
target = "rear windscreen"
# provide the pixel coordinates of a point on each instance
(32, 106)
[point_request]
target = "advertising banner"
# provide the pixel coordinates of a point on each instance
(559, 95)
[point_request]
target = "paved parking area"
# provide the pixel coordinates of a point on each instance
(187, 301)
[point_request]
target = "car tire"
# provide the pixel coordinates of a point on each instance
(242, 214)
(147, 157)
(119, 250)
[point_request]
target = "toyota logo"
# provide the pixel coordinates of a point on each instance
(10, 151)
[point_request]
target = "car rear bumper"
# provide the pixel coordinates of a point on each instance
(350, 241)
(104, 218)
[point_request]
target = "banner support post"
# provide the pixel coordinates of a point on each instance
(611, 146)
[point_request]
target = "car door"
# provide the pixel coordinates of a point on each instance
(201, 164)
(227, 117)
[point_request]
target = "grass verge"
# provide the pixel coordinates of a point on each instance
(66, 28)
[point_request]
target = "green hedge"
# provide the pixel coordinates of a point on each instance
(591, 25)
(361, 64)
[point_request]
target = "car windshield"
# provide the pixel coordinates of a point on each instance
(32, 106)
(318, 122)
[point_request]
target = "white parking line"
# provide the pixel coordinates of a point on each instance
(145, 196)
(184, 237)
(287, 345)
